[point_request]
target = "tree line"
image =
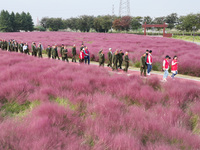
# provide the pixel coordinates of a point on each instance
(14, 22)
(105, 23)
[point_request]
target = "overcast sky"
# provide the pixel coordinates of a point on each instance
(73, 8)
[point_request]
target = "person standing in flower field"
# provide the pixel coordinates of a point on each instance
(81, 56)
(86, 55)
(20, 47)
(61, 49)
(121, 54)
(5, 45)
(48, 50)
(2, 44)
(115, 60)
(101, 58)
(110, 58)
(126, 59)
(74, 53)
(174, 67)
(26, 49)
(143, 66)
(149, 62)
(34, 49)
(40, 49)
(55, 52)
(166, 67)
(64, 54)
(15, 46)
(82, 46)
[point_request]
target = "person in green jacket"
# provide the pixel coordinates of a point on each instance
(34, 49)
(20, 47)
(126, 62)
(64, 54)
(15, 46)
(5, 44)
(110, 55)
(115, 61)
(55, 52)
(143, 66)
(39, 50)
(101, 58)
(2, 44)
(48, 50)
(120, 55)
(74, 53)
(61, 49)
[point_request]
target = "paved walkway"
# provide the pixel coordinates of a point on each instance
(136, 71)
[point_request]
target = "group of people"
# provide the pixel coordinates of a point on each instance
(146, 65)
(115, 59)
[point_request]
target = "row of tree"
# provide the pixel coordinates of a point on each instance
(105, 23)
(11, 22)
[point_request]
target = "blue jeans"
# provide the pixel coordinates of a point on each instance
(87, 59)
(166, 73)
(149, 67)
(173, 75)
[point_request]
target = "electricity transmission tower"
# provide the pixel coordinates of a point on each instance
(124, 8)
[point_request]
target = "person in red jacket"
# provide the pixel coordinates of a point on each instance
(174, 67)
(81, 56)
(166, 67)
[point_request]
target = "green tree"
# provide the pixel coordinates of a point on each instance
(106, 22)
(24, 25)
(180, 26)
(136, 23)
(172, 20)
(159, 20)
(30, 25)
(43, 22)
(5, 22)
(97, 24)
(18, 22)
(190, 21)
(12, 21)
(85, 23)
(147, 19)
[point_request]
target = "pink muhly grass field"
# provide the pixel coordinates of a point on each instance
(188, 53)
(87, 107)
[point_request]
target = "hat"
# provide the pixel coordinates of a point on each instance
(168, 57)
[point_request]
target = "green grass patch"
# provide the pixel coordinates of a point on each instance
(65, 103)
(187, 38)
(15, 109)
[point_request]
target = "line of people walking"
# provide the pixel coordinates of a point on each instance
(115, 59)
